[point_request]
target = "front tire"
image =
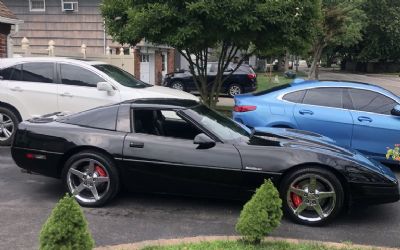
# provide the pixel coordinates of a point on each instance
(91, 177)
(312, 196)
(8, 126)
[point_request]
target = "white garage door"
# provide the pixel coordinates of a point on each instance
(145, 68)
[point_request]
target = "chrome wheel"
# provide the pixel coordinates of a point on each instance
(234, 90)
(311, 197)
(88, 180)
(177, 85)
(6, 127)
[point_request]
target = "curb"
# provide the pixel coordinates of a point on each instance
(197, 239)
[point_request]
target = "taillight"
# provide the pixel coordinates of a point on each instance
(31, 156)
(244, 108)
(251, 76)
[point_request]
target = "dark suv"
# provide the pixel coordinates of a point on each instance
(243, 80)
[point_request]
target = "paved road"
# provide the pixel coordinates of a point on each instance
(390, 82)
(26, 201)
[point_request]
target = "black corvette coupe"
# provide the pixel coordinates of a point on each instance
(179, 146)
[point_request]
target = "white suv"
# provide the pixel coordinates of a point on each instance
(31, 87)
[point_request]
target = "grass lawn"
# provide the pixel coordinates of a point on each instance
(237, 245)
(265, 83)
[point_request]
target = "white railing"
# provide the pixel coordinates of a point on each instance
(126, 62)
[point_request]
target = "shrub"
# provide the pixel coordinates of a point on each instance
(66, 228)
(261, 215)
(394, 153)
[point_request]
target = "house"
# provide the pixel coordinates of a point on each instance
(72, 23)
(7, 19)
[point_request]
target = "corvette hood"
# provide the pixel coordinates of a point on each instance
(295, 133)
(295, 139)
(304, 140)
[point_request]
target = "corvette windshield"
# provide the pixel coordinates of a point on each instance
(121, 76)
(223, 127)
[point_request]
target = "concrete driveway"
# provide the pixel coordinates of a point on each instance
(26, 202)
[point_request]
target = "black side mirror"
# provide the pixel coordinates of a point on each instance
(396, 110)
(203, 141)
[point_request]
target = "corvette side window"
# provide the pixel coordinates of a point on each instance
(101, 118)
(165, 123)
(365, 100)
(328, 97)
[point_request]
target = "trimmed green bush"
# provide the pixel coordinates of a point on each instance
(261, 214)
(66, 228)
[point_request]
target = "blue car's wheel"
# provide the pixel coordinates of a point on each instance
(312, 196)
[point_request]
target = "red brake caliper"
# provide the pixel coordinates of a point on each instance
(296, 199)
(100, 171)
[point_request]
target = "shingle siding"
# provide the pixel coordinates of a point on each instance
(68, 29)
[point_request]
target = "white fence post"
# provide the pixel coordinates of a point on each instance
(51, 48)
(121, 54)
(25, 45)
(108, 54)
(83, 50)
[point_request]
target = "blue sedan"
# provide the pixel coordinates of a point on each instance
(361, 116)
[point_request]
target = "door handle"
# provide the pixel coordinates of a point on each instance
(306, 112)
(18, 89)
(66, 94)
(134, 144)
(364, 119)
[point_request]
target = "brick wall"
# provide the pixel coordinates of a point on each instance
(4, 31)
(171, 61)
(136, 53)
(158, 67)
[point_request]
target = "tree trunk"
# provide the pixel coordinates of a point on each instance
(313, 74)
(286, 58)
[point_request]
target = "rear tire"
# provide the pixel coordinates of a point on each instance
(312, 196)
(8, 126)
(234, 89)
(91, 177)
(178, 85)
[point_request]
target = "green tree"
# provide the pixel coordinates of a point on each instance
(381, 37)
(261, 215)
(66, 228)
(341, 24)
(194, 27)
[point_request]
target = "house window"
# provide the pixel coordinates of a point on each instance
(145, 58)
(37, 5)
(69, 5)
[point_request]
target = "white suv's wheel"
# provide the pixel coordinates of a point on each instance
(8, 126)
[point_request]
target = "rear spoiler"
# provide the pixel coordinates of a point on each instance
(48, 117)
